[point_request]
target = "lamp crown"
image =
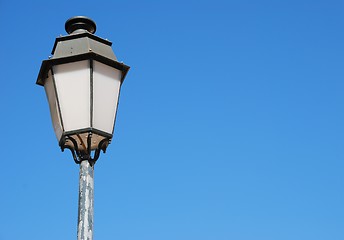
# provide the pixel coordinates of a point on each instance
(80, 24)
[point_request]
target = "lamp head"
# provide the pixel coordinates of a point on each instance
(82, 81)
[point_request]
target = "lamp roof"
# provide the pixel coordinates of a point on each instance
(81, 44)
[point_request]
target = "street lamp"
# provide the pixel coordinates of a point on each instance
(82, 81)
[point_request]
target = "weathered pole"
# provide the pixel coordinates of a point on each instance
(86, 201)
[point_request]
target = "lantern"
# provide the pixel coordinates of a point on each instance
(82, 81)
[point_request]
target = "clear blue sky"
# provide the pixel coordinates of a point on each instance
(230, 123)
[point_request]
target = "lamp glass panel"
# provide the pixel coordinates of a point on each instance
(73, 91)
(106, 87)
(53, 105)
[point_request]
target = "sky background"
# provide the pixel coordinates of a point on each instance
(230, 122)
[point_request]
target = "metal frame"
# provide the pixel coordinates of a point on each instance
(47, 64)
(91, 92)
(80, 155)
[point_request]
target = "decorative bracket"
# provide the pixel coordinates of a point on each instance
(80, 155)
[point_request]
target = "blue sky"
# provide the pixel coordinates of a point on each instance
(230, 123)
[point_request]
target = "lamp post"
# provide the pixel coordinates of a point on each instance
(82, 81)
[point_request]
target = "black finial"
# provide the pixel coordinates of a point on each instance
(80, 23)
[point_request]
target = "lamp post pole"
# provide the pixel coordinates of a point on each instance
(82, 81)
(86, 201)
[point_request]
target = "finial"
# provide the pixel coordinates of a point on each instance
(78, 23)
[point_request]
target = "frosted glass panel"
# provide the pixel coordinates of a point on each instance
(54, 112)
(106, 85)
(73, 90)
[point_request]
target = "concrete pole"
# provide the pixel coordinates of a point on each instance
(86, 203)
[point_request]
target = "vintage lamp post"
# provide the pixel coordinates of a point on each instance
(82, 81)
